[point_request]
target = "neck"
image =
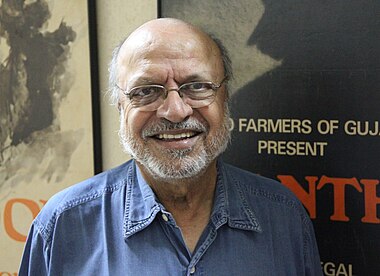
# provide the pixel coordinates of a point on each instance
(184, 194)
(190, 201)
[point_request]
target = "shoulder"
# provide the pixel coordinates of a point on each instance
(261, 190)
(255, 183)
(86, 192)
(269, 200)
(275, 209)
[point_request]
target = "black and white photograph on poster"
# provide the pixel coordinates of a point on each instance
(304, 106)
(45, 78)
(34, 81)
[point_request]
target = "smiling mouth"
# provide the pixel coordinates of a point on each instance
(178, 136)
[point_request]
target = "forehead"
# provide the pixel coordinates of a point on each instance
(182, 49)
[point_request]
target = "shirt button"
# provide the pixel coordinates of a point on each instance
(165, 217)
(192, 270)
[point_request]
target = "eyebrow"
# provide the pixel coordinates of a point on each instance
(143, 80)
(193, 78)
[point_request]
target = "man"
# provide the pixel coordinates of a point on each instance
(175, 209)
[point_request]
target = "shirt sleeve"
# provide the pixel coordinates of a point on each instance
(35, 260)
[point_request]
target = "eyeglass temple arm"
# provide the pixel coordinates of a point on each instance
(217, 86)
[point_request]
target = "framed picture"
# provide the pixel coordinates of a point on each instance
(49, 110)
(304, 105)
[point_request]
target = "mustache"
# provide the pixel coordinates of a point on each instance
(165, 125)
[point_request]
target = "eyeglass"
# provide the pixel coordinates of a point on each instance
(151, 97)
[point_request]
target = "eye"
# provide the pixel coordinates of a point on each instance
(197, 86)
(145, 91)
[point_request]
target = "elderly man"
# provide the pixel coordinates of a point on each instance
(174, 209)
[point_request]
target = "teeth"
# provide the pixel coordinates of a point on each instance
(175, 136)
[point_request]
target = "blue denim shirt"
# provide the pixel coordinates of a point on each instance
(112, 224)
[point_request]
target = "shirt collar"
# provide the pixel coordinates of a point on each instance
(141, 205)
(230, 205)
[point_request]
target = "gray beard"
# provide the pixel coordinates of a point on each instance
(176, 164)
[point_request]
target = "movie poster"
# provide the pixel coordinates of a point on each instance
(46, 139)
(305, 109)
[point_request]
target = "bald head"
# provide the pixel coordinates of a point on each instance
(166, 27)
(168, 30)
(171, 38)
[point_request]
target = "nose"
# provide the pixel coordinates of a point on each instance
(174, 108)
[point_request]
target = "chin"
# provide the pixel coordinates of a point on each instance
(176, 164)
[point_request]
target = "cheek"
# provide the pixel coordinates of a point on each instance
(218, 111)
(214, 115)
(135, 121)
(128, 119)
(218, 120)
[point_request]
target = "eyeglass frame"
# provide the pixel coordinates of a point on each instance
(214, 87)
